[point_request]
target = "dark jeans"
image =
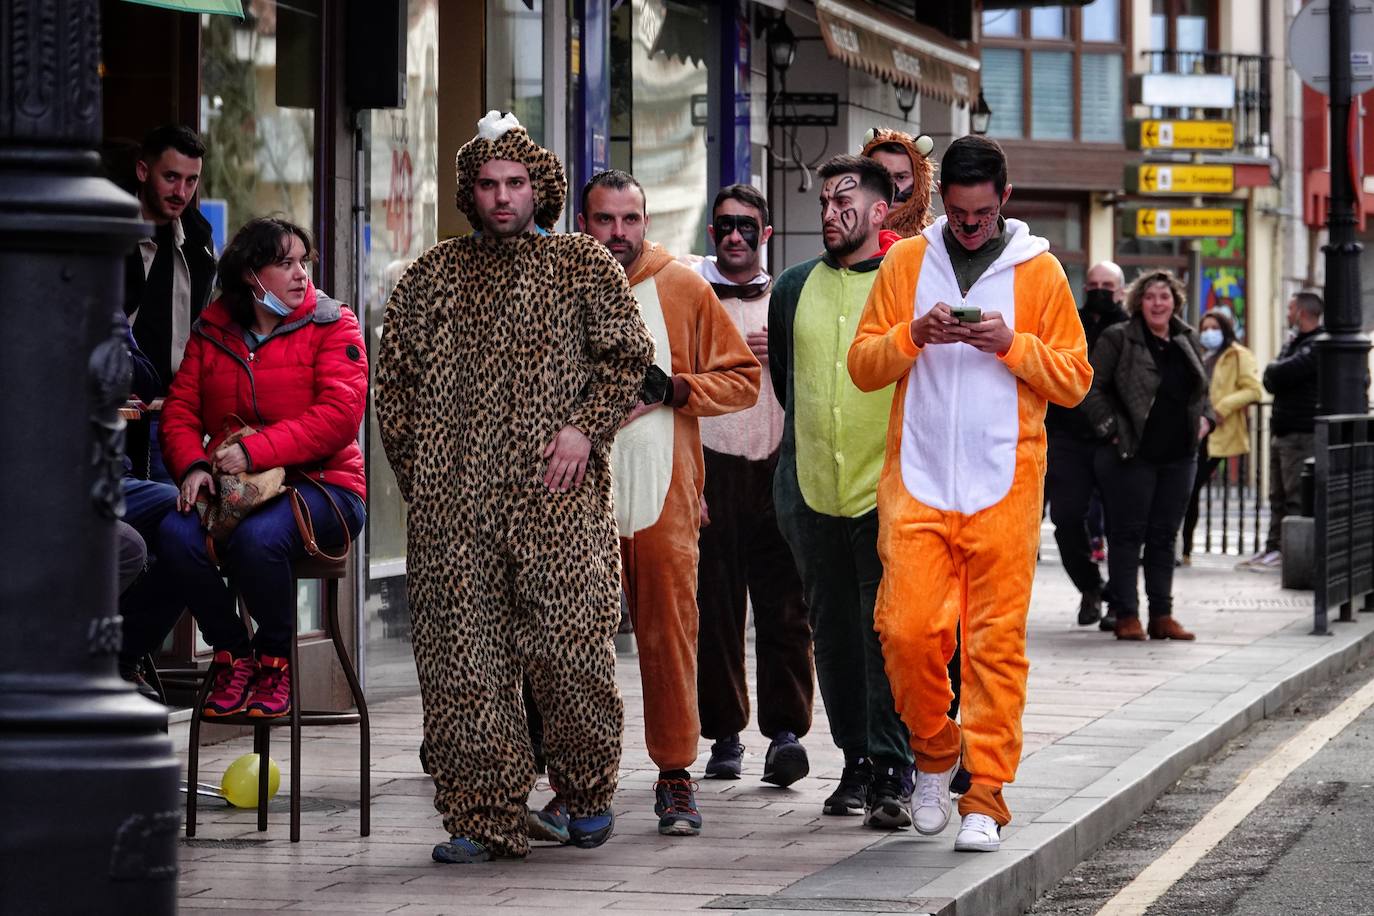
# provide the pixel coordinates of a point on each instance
(131, 554)
(840, 571)
(151, 606)
(1146, 503)
(1206, 467)
(257, 561)
(1070, 483)
(743, 559)
(1286, 456)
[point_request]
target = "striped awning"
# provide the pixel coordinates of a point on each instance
(899, 51)
(214, 7)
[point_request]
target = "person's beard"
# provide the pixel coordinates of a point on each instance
(845, 245)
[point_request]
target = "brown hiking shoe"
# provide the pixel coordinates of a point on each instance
(1166, 628)
(1129, 628)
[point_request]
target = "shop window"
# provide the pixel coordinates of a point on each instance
(1059, 221)
(659, 111)
(259, 91)
(403, 216)
(1055, 72)
(515, 61)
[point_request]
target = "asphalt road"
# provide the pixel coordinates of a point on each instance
(1308, 848)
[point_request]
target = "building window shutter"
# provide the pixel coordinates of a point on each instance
(1052, 101)
(1102, 98)
(1002, 89)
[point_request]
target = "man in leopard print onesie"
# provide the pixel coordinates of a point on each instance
(509, 359)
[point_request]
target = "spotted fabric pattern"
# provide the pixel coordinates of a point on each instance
(547, 178)
(488, 349)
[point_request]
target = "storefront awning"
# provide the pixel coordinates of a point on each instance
(898, 50)
(220, 7)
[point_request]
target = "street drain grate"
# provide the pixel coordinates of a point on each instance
(223, 844)
(919, 906)
(309, 805)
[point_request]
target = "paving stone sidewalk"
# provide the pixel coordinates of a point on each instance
(1108, 727)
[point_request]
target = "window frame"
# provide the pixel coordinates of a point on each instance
(1077, 47)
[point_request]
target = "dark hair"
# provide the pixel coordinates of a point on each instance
(171, 136)
(974, 160)
(1222, 316)
(873, 175)
(260, 242)
(890, 147)
(746, 194)
(616, 180)
(1310, 302)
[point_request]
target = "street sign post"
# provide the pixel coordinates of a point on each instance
(1152, 223)
(1159, 178)
(1180, 135)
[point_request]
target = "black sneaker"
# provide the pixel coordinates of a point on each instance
(675, 803)
(1108, 623)
(727, 757)
(1089, 609)
(133, 673)
(786, 761)
(889, 797)
(850, 794)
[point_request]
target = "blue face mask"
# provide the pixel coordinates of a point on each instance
(1211, 339)
(270, 301)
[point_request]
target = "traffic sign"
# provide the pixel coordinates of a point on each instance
(1152, 223)
(1309, 46)
(1160, 178)
(1183, 135)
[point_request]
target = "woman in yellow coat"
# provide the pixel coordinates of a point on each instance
(1235, 386)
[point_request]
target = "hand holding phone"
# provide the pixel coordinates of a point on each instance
(966, 314)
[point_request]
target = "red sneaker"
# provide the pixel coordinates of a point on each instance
(271, 696)
(229, 691)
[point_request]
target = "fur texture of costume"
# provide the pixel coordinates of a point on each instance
(911, 216)
(490, 347)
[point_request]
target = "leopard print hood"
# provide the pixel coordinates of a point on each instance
(909, 218)
(502, 137)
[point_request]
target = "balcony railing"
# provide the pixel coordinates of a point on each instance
(1251, 73)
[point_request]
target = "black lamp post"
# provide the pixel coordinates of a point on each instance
(782, 46)
(981, 115)
(88, 778)
(1342, 351)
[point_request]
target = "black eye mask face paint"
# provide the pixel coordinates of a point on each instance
(747, 226)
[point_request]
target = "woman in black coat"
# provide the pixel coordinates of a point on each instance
(1149, 404)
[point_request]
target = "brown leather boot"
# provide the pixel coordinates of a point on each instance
(1168, 628)
(1129, 628)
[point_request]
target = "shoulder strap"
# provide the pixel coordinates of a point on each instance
(306, 526)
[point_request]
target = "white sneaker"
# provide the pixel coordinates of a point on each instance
(930, 803)
(978, 833)
(1271, 560)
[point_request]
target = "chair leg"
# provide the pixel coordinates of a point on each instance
(364, 723)
(193, 754)
(295, 740)
(262, 746)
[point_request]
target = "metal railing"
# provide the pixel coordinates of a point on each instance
(1343, 512)
(1233, 508)
(1251, 113)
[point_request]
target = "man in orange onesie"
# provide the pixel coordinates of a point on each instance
(974, 321)
(704, 369)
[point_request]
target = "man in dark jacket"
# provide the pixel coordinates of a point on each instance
(1069, 481)
(1292, 380)
(169, 277)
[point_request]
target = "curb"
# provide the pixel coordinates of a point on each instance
(1038, 855)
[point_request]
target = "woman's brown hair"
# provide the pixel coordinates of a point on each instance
(1135, 293)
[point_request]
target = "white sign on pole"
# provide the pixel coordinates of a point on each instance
(1309, 45)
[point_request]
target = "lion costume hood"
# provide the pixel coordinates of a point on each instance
(908, 218)
(502, 137)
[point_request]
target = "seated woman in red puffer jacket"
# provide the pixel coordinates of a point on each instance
(276, 354)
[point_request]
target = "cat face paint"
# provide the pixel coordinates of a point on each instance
(973, 211)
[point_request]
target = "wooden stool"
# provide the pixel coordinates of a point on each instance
(330, 573)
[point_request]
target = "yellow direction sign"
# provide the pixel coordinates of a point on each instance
(1212, 135)
(1151, 223)
(1159, 178)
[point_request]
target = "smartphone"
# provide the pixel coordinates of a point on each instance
(967, 314)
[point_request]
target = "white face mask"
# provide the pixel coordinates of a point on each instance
(1211, 339)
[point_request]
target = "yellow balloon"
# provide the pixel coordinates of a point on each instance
(240, 782)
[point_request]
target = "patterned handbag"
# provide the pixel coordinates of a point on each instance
(237, 496)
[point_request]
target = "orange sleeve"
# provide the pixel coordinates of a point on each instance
(883, 351)
(1049, 351)
(720, 371)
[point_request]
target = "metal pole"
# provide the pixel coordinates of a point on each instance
(1342, 351)
(88, 778)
